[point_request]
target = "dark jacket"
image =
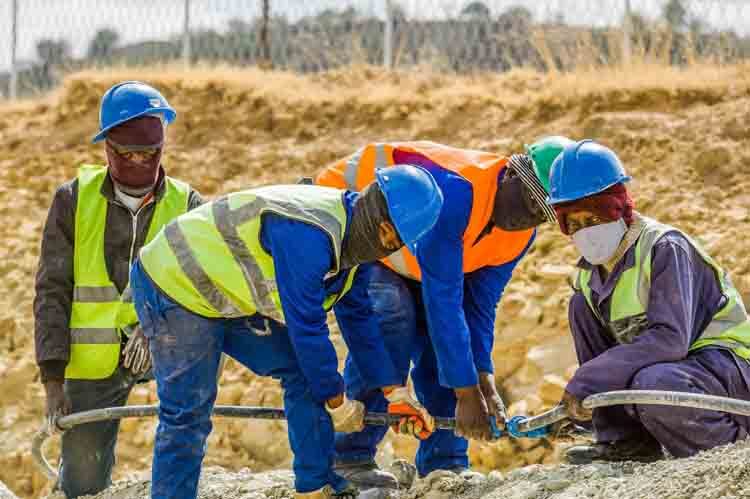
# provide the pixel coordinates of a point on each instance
(54, 278)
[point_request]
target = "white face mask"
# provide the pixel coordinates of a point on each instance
(598, 244)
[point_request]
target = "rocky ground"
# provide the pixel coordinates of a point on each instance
(720, 473)
(681, 134)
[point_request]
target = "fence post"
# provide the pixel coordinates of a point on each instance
(13, 84)
(627, 28)
(186, 35)
(388, 36)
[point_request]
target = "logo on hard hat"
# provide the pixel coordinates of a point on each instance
(154, 102)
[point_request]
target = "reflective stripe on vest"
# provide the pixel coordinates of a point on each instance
(97, 309)
(211, 260)
(729, 328)
(480, 168)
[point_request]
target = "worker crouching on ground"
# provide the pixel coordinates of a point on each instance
(96, 225)
(651, 311)
(436, 303)
(252, 274)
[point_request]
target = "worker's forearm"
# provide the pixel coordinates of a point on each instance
(52, 370)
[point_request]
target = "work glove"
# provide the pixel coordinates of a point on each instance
(347, 415)
(136, 355)
(58, 404)
(494, 400)
(416, 421)
(472, 414)
(575, 409)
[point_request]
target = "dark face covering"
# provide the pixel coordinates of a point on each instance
(363, 244)
(514, 207)
(140, 134)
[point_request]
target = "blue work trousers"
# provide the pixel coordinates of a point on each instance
(397, 303)
(186, 350)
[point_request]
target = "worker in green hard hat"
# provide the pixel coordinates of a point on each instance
(436, 302)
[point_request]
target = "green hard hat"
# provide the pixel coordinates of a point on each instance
(543, 153)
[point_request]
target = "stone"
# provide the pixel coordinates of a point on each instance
(552, 388)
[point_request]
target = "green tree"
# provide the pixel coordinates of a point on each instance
(53, 52)
(676, 15)
(517, 19)
(103, 44)
(476, 10)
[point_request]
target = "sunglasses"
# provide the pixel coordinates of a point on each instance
(130, 152)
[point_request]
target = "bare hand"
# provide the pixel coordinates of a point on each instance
(575, 408)
(494, 400)
(58, 404)
(472, 415)
(137, 356)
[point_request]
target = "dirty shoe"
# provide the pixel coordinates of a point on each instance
(642, 451)
(327, 492)
(366, 475)
(324, 493)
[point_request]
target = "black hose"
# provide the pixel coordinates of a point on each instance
(232, 411)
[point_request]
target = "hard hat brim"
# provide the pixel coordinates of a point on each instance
(169, 116)
(575, 196)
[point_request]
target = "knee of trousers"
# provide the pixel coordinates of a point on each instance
(663, 377)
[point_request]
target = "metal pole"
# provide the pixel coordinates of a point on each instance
(388, 36)
(627, 28)
(186, 35)
(265, 48)
(13, 85)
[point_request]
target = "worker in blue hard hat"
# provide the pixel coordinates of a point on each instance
(252, 274)
(90, 353)
(651, 311)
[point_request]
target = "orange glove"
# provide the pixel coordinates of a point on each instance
(416, 421)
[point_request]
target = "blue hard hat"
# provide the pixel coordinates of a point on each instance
(414, 200)
(583, 169)
(129, 100)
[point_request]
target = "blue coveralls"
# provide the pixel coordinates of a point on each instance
(186, 349)
(444, 325)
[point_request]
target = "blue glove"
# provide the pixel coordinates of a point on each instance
(512, 425)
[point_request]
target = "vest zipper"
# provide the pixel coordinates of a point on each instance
(134, 217)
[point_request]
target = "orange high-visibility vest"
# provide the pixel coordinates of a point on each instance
(480, 168)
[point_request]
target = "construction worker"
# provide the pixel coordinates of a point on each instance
(651, 311)
(252, 274)
(96, 224)
(436, 304)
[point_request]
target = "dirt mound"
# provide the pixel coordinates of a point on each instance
(680, 132)
(719, 473)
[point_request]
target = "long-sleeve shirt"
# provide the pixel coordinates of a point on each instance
(460, 307)
(54, 279)
(303, 255)
(684, 297)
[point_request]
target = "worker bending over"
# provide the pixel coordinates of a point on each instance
(95, 227)
(252, 274)
(436, 302)
(651, 311)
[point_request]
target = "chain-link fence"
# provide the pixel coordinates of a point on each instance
(40, 40)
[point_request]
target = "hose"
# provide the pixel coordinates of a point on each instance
(677, 399)
(522, 426)
(65, 423)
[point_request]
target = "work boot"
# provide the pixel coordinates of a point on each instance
(366, 475)
(466, 473)
(327, 492)
(622, 450)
